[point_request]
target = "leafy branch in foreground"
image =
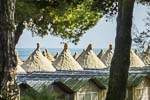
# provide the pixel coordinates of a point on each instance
(142, 39)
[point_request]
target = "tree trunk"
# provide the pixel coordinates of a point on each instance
(121, 59)
(8, 87)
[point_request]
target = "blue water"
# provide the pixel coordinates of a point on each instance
(24, 53)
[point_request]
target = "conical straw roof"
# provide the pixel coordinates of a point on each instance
(19, 69)
(135, 61)
(82, 53)
(48, 55)
(101, 54)
(89, 60)
(36, 62)
(19, 62)
(65, 61)
(107, 57)
(75, 56)
(44, 53)
(56, 55)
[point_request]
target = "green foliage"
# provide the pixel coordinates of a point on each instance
(25, 10)
(43, 94)
(64, 18)
(142, 39)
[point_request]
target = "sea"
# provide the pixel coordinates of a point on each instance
(24, 53)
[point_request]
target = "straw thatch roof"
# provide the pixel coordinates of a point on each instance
(19, 69)
(101, 53)
(65, 61)
(135, 61)
(19, 62)
(48, 55)
(44, 53)
(82, 53)
(37, 62)
(107, 57)
(57, 54)
(89, 60)
(75, 56)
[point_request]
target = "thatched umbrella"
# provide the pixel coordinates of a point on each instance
(44, 53)
(107, 57)
(82, 53)
(36, 62)
(75, 56)
(135, 61)
(89, 60)
(48, 55)
(56, 55)
(19, 62)
(101, 54)
(19, 69)
(65, 61)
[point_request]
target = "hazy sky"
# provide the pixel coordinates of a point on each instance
(100, 36)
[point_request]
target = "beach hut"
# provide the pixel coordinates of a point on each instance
(56, 55)
(55, 89)
(36, 62)
(84, 88)
(138, 87)
(89, 60)
(145, 56)
(107, 57)
(19, 69)
(67, 88)
(48, 55)
(135, 61)
(24, 88)
(100, 54)
(75, 56)
(65, 61)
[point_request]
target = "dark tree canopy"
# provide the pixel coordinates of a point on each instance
(63, 18)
